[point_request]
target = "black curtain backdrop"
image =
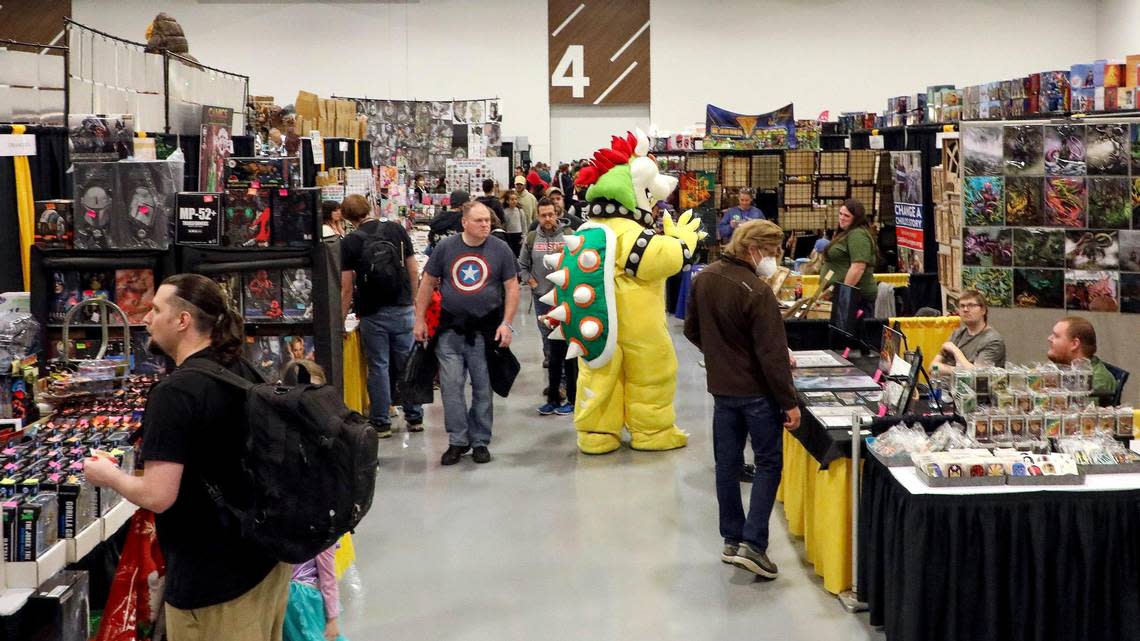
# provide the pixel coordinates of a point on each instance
(50, 180)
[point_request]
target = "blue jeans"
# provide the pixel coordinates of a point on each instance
(388, 340)
(542, 309)
(735, 419)
(457, 359)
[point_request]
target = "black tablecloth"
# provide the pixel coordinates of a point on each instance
(1040, 566)
(825, 445)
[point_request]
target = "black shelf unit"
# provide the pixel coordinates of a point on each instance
(45, 261)
(321, 258)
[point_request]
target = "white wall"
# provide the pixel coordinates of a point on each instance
(578, 131)
(850, 55)
(743, 55)
(1118, 28)
(427, 50)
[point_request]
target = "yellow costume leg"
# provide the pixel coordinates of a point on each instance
(650, 384)
(599, 411)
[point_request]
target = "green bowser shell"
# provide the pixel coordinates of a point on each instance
(583, 295)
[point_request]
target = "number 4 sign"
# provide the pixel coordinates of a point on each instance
(571, 71)
(598, 52)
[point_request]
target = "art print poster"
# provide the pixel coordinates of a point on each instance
(216, 147)
(907, 169)
(134, 293)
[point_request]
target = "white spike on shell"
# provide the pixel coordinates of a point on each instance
(556, 334)
(560, 314)
(588, 260)
(583, 294)
(574, 351)
(549, 298)
(590, 329)
(572, 242)
(558, 277)
(552, 260)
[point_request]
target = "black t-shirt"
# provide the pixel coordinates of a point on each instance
(196, 421)
(494, 204)
(367, 300)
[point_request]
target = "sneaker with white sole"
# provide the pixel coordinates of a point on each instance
(729, 552)
(547, 409)
(755, 561)
(565, 409)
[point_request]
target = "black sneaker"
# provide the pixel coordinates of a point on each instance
(415, 425)
(755, 561)
(480, 454)
(382, 431)
(747, 473)
(451, 456)
(729, 552)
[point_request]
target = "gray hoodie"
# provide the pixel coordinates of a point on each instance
(538, 244)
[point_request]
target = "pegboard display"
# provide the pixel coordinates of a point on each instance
(804, 219)
(735, 171)
(797, 194)
(702, 162)
(799, 162)
(863, 166)
(832, 188)
(833, 162)
(766, 172)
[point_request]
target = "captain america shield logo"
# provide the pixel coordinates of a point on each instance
(469, 273)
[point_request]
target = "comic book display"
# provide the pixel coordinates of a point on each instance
(1052, 214)
(131, 289)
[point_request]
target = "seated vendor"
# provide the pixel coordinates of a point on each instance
(1074, 337)
(851, 256)
(974, 343)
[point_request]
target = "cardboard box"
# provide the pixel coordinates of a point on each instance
(307, 105)
(59, 609)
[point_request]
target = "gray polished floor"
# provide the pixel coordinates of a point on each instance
(544, 543)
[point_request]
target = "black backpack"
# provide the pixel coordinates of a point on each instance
(384, 274)
(311, 465)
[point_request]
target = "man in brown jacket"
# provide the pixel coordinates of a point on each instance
(734, 319)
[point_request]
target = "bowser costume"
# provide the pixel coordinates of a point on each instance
(609, 301)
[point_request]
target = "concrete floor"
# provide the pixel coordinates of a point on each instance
(546, 543)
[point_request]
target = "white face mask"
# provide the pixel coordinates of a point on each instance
(766, 267)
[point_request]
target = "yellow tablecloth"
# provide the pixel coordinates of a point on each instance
(817, 504)
(927, 332)
(811, 282)
(355, 373)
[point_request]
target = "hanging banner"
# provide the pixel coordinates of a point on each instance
(907, 169)
(727, 130)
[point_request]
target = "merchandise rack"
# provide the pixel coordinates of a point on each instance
(322, 259)
(45, 261)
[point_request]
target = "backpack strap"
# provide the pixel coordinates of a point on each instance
(218, 373)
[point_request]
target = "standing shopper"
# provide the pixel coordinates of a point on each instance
(852, 255)
(543, 240)
(380, 273)
(219, 585)
(734, 319)
(527, 201)
(476, 275)
(513, 218)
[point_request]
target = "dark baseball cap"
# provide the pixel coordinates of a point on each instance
(458, 197)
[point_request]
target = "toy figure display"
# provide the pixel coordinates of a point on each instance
(246, 222)
(257, 172)
(263, 295)
(199, 219)
(95, 284)
(134, 293)
(149, 193)
(94, 197)
(216, 147)
(294, 217)
(54, 226)
(231, 285)
(609, 301)
(297, 347)
(64, 295)
(264, 353)
(101, 137)
(297, 294)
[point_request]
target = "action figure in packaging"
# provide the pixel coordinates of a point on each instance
(294, 217)
(94, 284)
(64, 296)
(246, 222)
(256, 173)
(54, 226)
(263, 294)
(94, 197)
(298, 294)
(149, 190)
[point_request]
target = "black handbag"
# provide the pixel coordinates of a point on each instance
(416, 384)
(502, 368)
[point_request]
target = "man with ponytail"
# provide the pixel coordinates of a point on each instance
(219, 585)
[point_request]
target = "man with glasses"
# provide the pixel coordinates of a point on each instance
(974, 343)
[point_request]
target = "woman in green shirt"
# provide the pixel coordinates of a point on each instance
(851, 257)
